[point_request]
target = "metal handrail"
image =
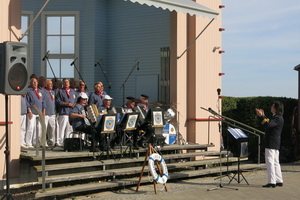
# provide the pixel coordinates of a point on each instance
(246, 128)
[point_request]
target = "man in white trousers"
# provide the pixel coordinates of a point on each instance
(273, 128)
(35, 97)
(50, 117)
(24, 106)
(65, 100)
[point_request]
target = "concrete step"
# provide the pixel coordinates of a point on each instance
(113, 173)
(59, 154)
(81, 188)
(122, 161)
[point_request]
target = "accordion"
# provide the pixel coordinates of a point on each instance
(92, 113)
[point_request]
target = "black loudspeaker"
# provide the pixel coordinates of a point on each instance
(238, 142)
(73, 144)
(13, 68)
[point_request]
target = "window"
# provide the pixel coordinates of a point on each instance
(26, 19)
(24, 25)
(61, 42)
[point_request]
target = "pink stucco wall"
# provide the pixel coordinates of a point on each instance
(195, 76)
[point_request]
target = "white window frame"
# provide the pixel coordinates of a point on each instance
(43, 39)
(30, 42)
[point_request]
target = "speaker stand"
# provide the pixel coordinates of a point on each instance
(7, 153)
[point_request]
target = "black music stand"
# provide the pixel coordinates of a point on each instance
(239, 148)
(128, 125)
(106, 125)
(156, 124)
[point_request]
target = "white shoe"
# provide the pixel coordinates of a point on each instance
(59, 145)
(24, 147)
(30, 146)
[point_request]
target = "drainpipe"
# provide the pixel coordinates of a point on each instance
(297, 68)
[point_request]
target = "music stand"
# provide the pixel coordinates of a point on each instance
(155, 116)
(106, 125)
(239, 149)
(128, 125)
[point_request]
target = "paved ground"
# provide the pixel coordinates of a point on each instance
(198, 188)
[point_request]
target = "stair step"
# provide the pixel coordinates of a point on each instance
(133, 181)
(129, 171)
(76, 165)
(56, 155)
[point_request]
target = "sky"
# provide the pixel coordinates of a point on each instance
(262, 46)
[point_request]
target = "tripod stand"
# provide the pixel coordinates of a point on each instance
(220, 178)
(221, 147)
(128, 140)
(239, 173)
(7, 153)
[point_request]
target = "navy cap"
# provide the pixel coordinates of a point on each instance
(130, 98)
(145, 96)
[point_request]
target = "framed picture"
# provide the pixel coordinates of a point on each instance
(157, 118)
(131, 121)
(108, 123)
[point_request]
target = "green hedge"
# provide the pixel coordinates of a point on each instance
(243, 110)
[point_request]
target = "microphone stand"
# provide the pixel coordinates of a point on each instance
(47, 59)
(218, 116)
(123, 84)
(104, 74)
(73, 63)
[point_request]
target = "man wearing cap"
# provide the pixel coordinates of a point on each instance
(79, 120)
(98, 95)
(130, 104)
(143, 104)
(106, 108)
(66, 100)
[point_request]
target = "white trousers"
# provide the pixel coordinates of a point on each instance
(23, 130)
(273, 166)
(50, 122)
(64, 129)
(31, 130)
(56, 128)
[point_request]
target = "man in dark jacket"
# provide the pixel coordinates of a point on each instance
(273, 128)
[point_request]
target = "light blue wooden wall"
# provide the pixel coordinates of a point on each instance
(116, 31)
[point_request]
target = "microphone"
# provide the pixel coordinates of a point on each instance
(98, 62)
(46, 55)
(138, 65)
(219, 91)
(212, 111)
(73, 61)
